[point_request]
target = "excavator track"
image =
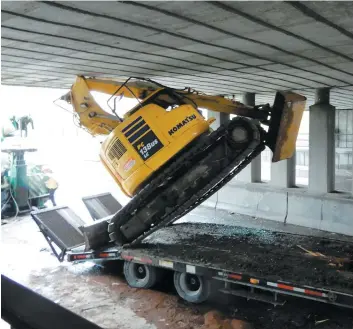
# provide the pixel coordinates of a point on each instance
(218, 164)
(200, 197)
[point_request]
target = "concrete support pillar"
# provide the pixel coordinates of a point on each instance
(283, 173)
(322, 143)
(252, 173)
(249, 99)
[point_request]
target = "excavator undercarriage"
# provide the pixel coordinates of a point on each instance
(192, 178)
(190, 163)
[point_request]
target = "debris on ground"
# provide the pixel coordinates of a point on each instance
(216, 320)
(213, 318)
(321, 321)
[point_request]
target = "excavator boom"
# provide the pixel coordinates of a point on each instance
(286, 113)
(91, 115)
(283, 118)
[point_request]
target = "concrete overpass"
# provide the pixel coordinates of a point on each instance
(245, 49)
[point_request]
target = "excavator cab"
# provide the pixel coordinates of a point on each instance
(150, 92)
(134, 89)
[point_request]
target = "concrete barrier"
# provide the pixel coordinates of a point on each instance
(337, 215)
(273, 205)
(254, 200)
(330, 212)
(304, 209)
(237, 198)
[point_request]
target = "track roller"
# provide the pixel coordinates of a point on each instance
(242, 132)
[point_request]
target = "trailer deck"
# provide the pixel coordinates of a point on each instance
(262, 259)
(277, 256)
(252, 259)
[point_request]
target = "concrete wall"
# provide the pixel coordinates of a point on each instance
(328, 212)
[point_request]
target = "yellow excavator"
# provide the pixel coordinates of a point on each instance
(163, 153)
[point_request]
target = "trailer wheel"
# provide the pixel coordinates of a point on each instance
(140, 275)
(191, 287)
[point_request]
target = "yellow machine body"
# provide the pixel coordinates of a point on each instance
(146, 140)
(151, 134)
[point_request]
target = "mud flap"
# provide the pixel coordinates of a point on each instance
(286, 116)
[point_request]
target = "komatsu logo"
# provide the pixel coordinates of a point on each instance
(182, 124)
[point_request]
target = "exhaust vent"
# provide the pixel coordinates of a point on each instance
(116, 150)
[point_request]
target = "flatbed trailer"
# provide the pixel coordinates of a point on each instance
(252, 263)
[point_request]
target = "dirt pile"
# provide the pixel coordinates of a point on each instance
(216, 320)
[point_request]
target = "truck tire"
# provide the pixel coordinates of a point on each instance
(141, 275)
(191, 287)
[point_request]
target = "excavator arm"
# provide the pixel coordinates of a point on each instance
(283, 118)
(228, 106)
(91, 115)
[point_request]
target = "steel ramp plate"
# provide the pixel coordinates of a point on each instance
(101, 205)
(61, 225)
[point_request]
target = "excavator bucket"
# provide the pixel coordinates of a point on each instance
(286, 115)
